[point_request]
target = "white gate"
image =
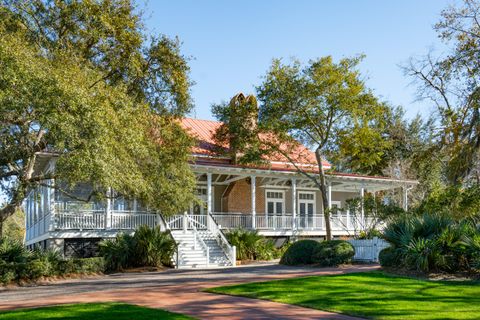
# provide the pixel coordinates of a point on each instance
(368, 249)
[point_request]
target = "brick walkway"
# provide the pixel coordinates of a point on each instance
(179, 291)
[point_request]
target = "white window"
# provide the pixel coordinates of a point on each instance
(306, 203)
(275, 202)
(336, 205)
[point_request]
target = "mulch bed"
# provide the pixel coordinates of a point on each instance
(435, 276)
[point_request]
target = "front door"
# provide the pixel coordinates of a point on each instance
(306, 209)
(200, 208)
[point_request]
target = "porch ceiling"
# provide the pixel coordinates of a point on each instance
(283, 179)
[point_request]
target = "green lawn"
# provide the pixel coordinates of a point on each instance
(374, 295)
(97, 311)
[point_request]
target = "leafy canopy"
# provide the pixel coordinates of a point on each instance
(81, 80)
(451, 83)
(326, 106)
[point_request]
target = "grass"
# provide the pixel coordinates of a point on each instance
(375, 295)
(97, 311)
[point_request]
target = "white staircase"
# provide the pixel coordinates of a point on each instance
(192, 253)
(200, 242)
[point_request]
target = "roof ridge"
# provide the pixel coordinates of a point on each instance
(206, 120)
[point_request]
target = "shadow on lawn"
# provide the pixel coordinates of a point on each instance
(97, 311)
(373, 294)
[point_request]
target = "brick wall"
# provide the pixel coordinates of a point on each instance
(237, 198)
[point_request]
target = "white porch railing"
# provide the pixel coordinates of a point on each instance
(191, 223)
(132, 220)
(340, 221)
(89, 220)
(98, 220)
(230, 250)
(186, 222)
(129, 220)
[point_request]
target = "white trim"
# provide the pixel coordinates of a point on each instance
(205, 187)
(209, 193)
(253, 194)
(336, 202)
(382, 182)
(275, 201)
(306, 201)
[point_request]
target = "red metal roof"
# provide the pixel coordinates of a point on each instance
(204, 130)
(205, 152)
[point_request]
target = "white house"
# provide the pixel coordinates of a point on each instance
(276, 200)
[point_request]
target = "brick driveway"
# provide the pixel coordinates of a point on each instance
(179, 291)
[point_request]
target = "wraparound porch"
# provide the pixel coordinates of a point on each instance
(94, 222)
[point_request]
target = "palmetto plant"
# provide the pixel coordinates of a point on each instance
(119, 252)
(432, 242)
(147, 247)
(153, 247)
(250, 245)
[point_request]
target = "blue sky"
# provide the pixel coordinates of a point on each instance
(233, 42)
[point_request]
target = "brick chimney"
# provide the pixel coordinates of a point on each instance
(244, 115)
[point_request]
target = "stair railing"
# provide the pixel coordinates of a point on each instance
(195, 237)
(163, 224)
(230, 251)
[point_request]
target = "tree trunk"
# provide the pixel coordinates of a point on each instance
(323, 190)
(6, 212)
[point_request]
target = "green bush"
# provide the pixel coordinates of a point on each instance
(432, 242)
(388, 257)
(119, 253)
(333, 253)
(44, 263)
(20, 264)
(153, 247)
(252, 246)
(82, 265)
(147, 247)
(14, 260)
(300, 252)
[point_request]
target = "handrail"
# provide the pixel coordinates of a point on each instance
(211, 224)
(202, 243)
(162, 221)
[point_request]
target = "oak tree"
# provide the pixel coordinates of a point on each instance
(326, 106)
(82, 81)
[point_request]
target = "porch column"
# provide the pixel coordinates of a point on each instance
(209, 193)
(253, 190)
(362, 209)
(329, 196)
(405, 198)
(294, 204)
(51, 204)
(135, 205)
(108, 210)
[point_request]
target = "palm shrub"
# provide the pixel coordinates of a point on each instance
(266, 250)
(43, 263)
(147, 247)
(119, 253)
(153, 247)
(17, 263)
(252, 246)
(431, 242)
(14, 259)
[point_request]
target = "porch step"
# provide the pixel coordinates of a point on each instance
(191, 253)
